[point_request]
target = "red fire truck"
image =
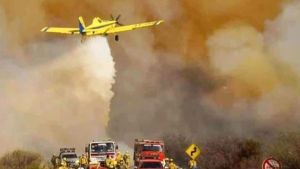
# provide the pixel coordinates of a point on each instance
(148, 149)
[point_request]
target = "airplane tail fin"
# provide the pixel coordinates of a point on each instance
(81, 24)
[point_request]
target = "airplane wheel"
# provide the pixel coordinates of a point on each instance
(117, 38)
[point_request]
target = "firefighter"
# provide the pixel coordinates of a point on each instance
(126, 158)
(57, 161)
(110, 162)
(53, 160)
(119, 157)
(167, 162)
(120, 161)
(83, 161)
(172, 165)
(192, 164)
(114, 161)
(63, 164)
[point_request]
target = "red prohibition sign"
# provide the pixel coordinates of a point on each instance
(271, 163)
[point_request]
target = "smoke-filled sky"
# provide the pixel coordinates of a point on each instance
(213, 68)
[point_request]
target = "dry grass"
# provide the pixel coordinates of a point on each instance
(20, 159)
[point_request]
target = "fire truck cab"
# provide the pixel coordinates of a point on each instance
(97, 151)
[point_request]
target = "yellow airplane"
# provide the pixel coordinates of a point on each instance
(100, 27)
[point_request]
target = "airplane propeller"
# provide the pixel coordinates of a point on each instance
(118, 23)
(116, 19)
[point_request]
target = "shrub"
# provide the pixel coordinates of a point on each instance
(218, 153)
(286, 149)
(20, 159)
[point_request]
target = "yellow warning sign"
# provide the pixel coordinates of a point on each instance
(193, 151)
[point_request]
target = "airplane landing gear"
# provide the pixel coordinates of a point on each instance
(117, 38)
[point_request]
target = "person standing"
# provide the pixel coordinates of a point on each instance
(83, 161)
(172, 165)
(126, 158)
(63, 164)
(192, 164)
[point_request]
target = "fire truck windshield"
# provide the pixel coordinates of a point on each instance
(152, 148)
(102, 147)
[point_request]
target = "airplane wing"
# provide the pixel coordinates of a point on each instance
(70, 31)
(128, 27)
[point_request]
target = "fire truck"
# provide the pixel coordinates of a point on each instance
(148, 149)
(65, 153)
(97, 151)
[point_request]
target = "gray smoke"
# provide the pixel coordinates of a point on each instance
(245, 88)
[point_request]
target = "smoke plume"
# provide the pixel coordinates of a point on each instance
(60, 101)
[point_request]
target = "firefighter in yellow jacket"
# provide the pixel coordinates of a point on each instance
(119, 157)
(120, 161)
(83, 161)
(63, 164)
(110, 162)
(172, 165)
(192, 164)
(126, 158)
